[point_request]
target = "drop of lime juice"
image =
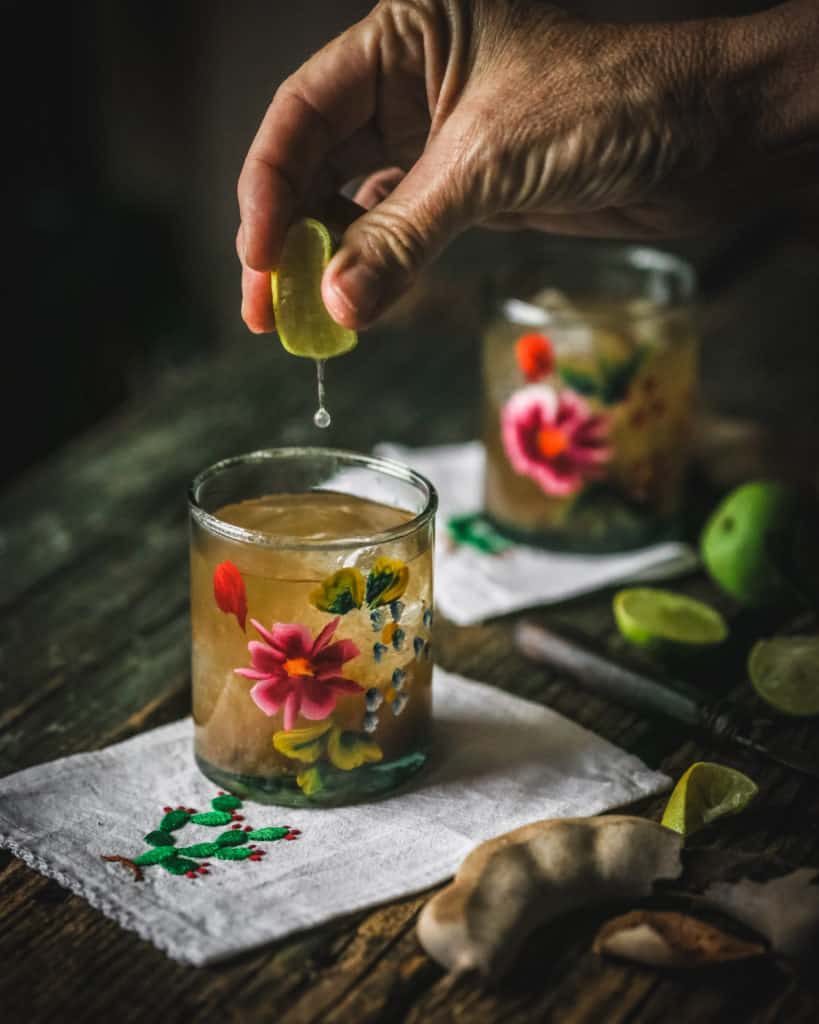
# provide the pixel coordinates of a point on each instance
(321, 417)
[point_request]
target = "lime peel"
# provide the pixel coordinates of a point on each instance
(735, 543)
(705, 792)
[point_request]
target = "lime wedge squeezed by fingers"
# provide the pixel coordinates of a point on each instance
(654, 618)
(304, 326)
(784, 671)
(705, 792)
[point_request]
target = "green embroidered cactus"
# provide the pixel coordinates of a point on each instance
(238, 843)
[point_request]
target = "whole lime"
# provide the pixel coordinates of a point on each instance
(738, 539)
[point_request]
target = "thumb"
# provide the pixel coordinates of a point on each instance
(383, 251)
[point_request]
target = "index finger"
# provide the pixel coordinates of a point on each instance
(319, 106)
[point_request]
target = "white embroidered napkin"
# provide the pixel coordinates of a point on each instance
(471, 586)
(498, 762)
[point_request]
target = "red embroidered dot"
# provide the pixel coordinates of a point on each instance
(248, 828)
(220, 792)
(238, 817)
(290, 836)
(190, 874)
(167, 810)
(235, 826)
(191, 810)
(294, 831)
(202, 870)
(180, 808)
(254, 856)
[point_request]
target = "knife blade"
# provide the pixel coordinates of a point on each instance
(640, 692)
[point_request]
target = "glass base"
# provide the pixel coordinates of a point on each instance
(357, 786)
(600, 521)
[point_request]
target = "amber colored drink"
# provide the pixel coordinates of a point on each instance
(588, 399)
(311, 661)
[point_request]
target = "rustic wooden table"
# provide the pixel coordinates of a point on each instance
(94, 647)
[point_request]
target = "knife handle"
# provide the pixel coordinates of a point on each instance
(679, 702)
(608, 679)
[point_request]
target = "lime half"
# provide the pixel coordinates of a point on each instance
(654, 618)
(304, 326)
(784, 672)
(705, 792)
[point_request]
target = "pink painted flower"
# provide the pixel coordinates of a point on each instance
(553, 437)
(297, 672)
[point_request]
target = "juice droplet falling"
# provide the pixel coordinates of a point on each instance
(322, 417)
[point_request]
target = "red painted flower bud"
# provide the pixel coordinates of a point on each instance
(535, 356)
(229, 591)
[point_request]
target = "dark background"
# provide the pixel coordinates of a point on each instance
(126, 125)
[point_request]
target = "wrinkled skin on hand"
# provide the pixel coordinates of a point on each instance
(509, 113)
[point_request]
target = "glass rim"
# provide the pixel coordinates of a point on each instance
(635, 256)
(262, 538)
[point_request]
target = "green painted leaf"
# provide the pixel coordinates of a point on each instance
(233, 853)
(159, 838)
(232, 838)
(226, 803)
(199, 850)
(618, 376)
(173, 820)
(212, 818)
(157, 855)
(267, 835)
(581, 382)
(179, 865)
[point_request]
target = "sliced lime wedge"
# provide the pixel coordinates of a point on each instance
(304, 326)
(705, 792)
(784, 671)
(653, 618)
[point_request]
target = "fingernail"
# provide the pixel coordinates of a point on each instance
(358, 287)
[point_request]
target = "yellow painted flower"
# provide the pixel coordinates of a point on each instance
(386, 582)
(339, 593)
(310, 781)
(348, 750)
(303, 744)
(345, 749)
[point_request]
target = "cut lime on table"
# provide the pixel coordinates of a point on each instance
(784, 671)
(660, 619)
(304, 326)
(705, 792)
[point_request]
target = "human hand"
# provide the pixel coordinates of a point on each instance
(498, 112)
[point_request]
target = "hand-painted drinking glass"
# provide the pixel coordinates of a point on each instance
(311, 600)
(589, 367)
